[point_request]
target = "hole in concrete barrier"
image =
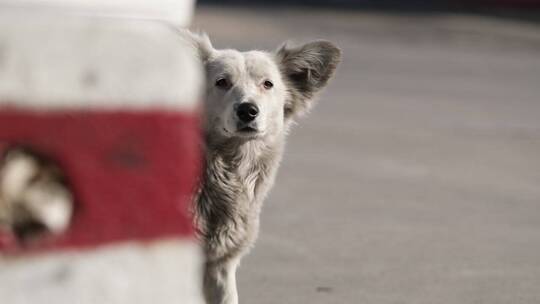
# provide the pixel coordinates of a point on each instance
(34, 197)
(29, 230)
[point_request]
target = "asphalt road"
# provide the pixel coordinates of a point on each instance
(416, 179)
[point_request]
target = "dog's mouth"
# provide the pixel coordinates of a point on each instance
(247, 130)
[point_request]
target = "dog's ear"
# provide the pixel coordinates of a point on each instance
(201, 42)
(306, 69)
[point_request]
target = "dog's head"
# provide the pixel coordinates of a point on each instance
(255, 94)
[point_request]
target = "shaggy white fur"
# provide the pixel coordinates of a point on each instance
(251, 100)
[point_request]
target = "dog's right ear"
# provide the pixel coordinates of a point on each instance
(201, 42)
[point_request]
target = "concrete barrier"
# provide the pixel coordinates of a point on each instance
(111, 96)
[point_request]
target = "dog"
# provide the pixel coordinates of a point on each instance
(251, 101)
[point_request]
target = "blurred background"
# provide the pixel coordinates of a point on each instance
(416, 179)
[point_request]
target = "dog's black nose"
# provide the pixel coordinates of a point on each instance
(247, 112)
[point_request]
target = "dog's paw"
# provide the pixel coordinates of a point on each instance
(34, 199)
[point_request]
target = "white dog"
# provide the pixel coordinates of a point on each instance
(251, 100)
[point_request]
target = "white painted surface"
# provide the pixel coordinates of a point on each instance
(177, 12)
(161, 272)
(65, 61)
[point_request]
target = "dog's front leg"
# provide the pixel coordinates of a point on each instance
(220, 282)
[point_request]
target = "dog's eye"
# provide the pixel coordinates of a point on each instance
(268, 84)
(223, 83)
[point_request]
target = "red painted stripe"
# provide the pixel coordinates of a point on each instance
(132, 173)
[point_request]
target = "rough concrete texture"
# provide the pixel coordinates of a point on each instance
(162, 271)
(57, 60)
(416, 179)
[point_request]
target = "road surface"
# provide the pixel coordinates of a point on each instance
(416, 179)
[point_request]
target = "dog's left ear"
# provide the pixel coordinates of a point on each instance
(200, 42)
(306, 69)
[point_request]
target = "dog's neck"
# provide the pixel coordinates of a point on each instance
(243, 166)
(240, 152)
(243, 157)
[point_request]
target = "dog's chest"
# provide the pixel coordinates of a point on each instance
(229, 202)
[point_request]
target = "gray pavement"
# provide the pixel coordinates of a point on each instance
(416, 179)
